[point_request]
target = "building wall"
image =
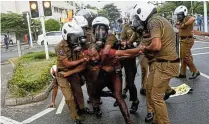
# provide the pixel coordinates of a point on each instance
(23, 6)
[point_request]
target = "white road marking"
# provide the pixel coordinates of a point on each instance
(200, 48)
(40, 114)
(200, 53)
(6, 120)
(204, 75)
(61, 106)
(202, 42)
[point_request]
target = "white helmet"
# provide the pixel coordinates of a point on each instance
(144, 10)
(53, 70)
(100, 20)
(181, 9)
(71, 28)
(81, 21)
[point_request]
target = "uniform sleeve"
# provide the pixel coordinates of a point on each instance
(123, 35)
(155, 29)
(112, 53)
(61, 54)
(134, 37)
(111, 39)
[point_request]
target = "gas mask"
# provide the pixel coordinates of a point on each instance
(180, 16)
(137, 25)
(100, 34)
(74, 43)
(94, 62)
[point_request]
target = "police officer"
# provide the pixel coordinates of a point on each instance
(67, 58)
(85, 41)
(128, 36)
(185, 25)
(165, 63)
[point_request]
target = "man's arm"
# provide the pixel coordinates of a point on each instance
(190, 21)
(68, 63)
(155, 45)
(200, 33)
(73, 71)
(128, 52)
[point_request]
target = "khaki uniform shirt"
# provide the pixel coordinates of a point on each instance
(128, 34)
(186, 30)
(160, 28)
(63, 51)
(111, 40)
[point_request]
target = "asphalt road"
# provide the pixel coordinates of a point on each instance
(192, 108)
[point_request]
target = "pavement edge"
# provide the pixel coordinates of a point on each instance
(28, 99)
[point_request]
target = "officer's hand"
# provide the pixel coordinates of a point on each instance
(141, 49)
(52, 105)
(86, 59)
(62, 74)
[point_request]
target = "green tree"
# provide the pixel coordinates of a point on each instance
(91, 7)
(36, 28)
(12, 22)
(52, 25)
(111, 11)
(168, 7)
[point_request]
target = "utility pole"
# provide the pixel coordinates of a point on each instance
(205, 16)
(192, 8)
(43, 28)
(31, 39)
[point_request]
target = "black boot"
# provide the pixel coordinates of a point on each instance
(143, 91)
(167, 95)
(149, 117)
(89, 101)
(115, 104)
(124, 93)
(98, 112)
(181, 76)
(77, 121)
(134, 106)
(194, 75)
(85, 111)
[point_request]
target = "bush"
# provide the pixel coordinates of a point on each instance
(31, 76)
(52, 25)
(34, 56)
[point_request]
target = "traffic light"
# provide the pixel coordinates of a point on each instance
(34, 9)
(47, 8)
(70, 15)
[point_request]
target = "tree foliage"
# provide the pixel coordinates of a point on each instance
(12, 22)
(110, 11)
(91, 7)
(52, 25)
(169, 7)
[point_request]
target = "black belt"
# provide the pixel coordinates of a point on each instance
(185, 37)
(169, 61)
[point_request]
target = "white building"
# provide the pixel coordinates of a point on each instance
(19, 7)
(23, 6)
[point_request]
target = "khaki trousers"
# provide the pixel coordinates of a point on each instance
(186, 56)
(158, 83)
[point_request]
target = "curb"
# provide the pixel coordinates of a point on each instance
(29, 99)
(13, 65)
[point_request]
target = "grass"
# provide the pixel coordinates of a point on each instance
(31, 74)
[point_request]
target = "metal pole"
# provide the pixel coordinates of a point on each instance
(31, 39)
(192, 8)
(44, 33)
(205, 16)
(18, 48)
(43, 29)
